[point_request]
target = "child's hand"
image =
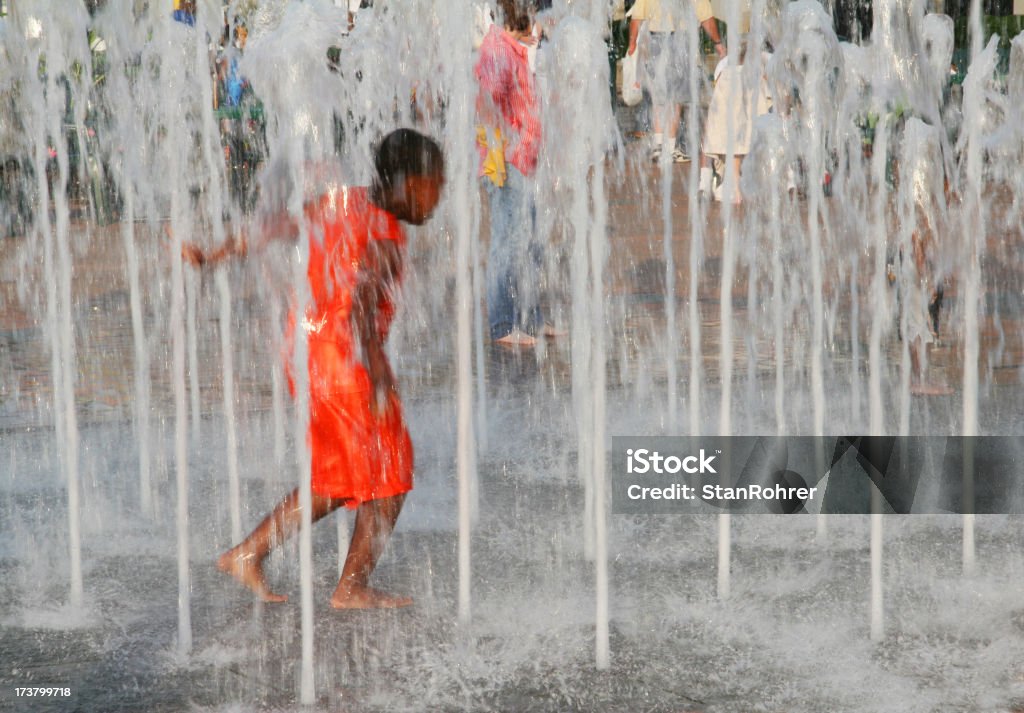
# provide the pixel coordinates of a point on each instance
(193, 254)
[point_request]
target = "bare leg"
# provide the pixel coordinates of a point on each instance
(666, 124)
(658, 118)
(244, 561)
(705, 185)
(375, 519)
(672, 124)
(918, 385)
(737, 163)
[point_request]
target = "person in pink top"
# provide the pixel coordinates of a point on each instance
(509, 138)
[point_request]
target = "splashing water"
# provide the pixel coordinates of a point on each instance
(145, 402)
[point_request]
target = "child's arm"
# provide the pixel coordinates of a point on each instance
(922, 243)
(232, 247)
(279, 226)
(376, 276)
(634, 34)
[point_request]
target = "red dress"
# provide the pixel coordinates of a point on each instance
(356, 454)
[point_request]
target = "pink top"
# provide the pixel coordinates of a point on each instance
(508, 98)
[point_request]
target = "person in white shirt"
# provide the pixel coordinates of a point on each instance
(669, 61)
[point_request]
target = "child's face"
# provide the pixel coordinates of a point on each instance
(422, 194)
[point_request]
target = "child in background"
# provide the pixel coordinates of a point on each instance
(735, 103)
(184, 12)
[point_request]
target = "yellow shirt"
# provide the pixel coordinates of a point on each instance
(661, 19)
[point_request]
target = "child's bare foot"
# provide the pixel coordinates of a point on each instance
(248, 571)
(517, 338)
(930, 389)
(359, 597)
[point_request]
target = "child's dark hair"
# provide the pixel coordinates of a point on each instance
(515, 14)
(406, 152)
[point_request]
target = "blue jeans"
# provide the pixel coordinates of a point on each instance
(514, 258)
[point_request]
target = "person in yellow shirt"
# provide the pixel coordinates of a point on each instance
(185, 12)
(669, 60)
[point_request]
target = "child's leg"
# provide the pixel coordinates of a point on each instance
(921, 242)
(920, 386)
(737, 164)
(705, 174)
(672, 125)
(917, 385)
(244, 561)
(375, 519)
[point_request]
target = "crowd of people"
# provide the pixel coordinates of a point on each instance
(794, 88)
(510, 134)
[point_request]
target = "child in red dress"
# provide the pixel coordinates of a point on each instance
(361, 452)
